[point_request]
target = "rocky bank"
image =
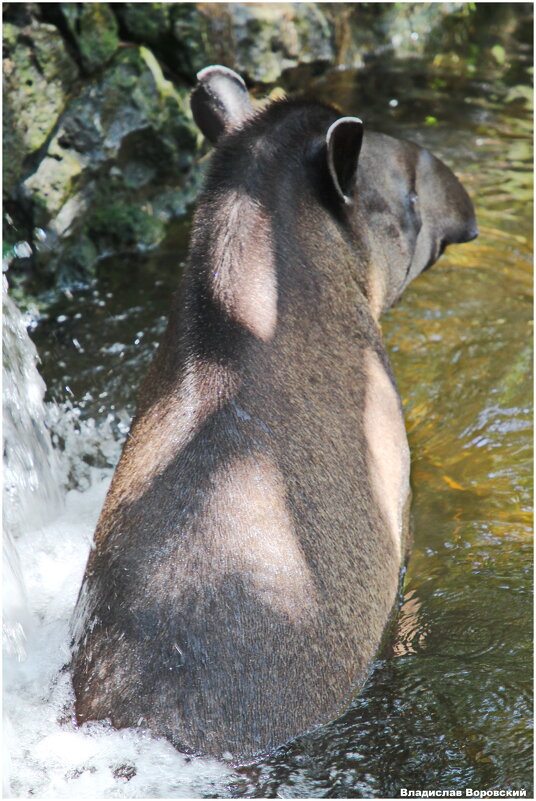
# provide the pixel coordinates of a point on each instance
(101, 154)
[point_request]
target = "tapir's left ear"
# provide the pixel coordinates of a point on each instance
(343, 141)
(220, 101)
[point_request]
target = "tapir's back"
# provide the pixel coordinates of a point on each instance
(248, 553)
(240, 612)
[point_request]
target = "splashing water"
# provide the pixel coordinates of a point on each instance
(48, 534)
(31, 466)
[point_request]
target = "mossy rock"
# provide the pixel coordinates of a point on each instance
(262, 40)
(125, 140)
(150, 23)
(79, 260)
(176, 32)
(94, 30)
(192, 47)
(127, 225)
(55, 181)
(38, 78)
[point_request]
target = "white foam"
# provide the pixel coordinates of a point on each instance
(30, 464)
(48, 755)
(48, 534)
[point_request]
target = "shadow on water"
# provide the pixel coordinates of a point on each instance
(451, 707)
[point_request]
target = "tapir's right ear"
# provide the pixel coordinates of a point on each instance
(220, 101)
(343, 142)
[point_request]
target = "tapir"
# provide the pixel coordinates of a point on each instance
(248, 554)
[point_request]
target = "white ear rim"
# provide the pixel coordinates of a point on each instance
(219, 101)
(219, 68)
(329, 134)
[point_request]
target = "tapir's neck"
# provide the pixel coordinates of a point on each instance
(261, 264)
(264, 280)
(233, 250)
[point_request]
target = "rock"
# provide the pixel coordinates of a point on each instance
(99, 146)
(190, 40)
(262, 40)
(124, 145)
(38, 76)
(91, 28)
(407, 29)
(403, 30)
(175, 31)
(147, 22)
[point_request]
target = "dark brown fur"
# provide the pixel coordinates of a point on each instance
(244, 568)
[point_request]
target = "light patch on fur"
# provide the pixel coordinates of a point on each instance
(254, 535)
(377, 288)
(244, 530)
(167, 427)
(387, 441)
(243, 267)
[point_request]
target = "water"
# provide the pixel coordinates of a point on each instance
(47, 538)
(448, 705)
(30, 488)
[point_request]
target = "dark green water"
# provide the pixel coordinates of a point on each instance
(449, 705)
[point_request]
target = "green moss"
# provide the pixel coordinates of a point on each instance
(38, 75)
(56, 180)
(95, 31)
(124, 224)
(79, 263)
(164, 87)
(9, 37)
(147, 22)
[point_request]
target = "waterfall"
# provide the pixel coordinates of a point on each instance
(48, 530)
(32, 492)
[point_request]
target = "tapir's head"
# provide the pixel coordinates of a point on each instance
(401, 203)
(415, 207)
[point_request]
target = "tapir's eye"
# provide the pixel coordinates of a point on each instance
(413, 211)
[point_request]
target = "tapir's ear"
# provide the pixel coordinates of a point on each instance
(343, 141)
(220, 101)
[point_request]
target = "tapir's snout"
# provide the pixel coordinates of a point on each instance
(454, 218)
(435, 211)
(464, 227)
(463, 233)
(471, 233)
